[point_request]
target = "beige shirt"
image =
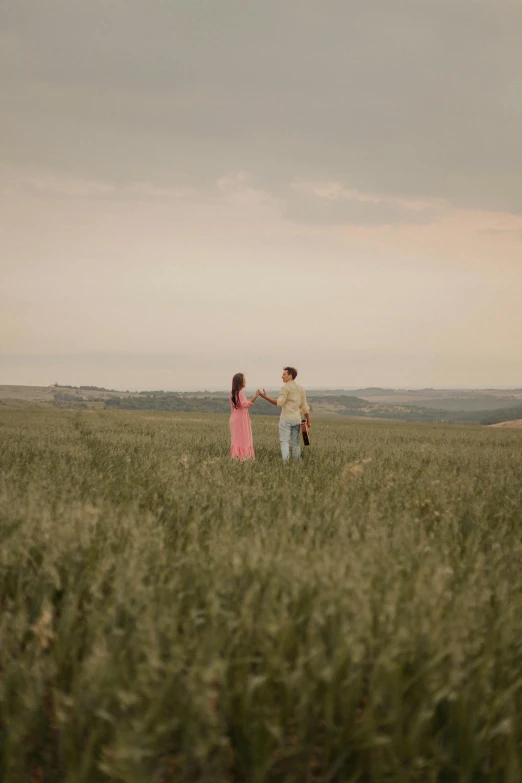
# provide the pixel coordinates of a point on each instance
(292, 401)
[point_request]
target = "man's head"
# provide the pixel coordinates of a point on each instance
(289, 374)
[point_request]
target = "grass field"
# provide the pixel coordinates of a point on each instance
(168, 615)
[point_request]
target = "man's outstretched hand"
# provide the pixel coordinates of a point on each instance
(265, 396)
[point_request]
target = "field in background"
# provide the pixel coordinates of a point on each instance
(515, 424)
(168, 615)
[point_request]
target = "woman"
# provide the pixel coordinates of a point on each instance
(241, 446)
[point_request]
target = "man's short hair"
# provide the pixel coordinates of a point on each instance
(291, 371)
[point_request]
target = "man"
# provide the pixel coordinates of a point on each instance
(292, 401)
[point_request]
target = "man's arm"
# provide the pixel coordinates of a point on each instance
(279, 401)
(265, 396)
(305, 409)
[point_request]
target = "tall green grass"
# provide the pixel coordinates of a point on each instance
(169, 615)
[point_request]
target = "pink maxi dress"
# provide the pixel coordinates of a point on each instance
(242, 445)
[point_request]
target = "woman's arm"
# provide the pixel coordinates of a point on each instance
(244, 403)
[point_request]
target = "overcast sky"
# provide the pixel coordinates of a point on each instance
(195, 188)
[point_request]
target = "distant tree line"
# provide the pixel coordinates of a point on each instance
(495, 417)
(168, 402)
(341, 405)
(184, 404)
(85, 388)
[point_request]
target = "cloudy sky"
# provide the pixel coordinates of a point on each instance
(191, 188)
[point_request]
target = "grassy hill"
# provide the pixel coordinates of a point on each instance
(450, 406)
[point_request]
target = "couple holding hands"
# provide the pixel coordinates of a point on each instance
(291, 400)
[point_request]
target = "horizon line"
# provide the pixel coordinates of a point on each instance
(312, 387)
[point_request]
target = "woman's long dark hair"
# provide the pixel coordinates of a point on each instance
(237, 385)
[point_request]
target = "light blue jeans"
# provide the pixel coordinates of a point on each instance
(289, 438)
